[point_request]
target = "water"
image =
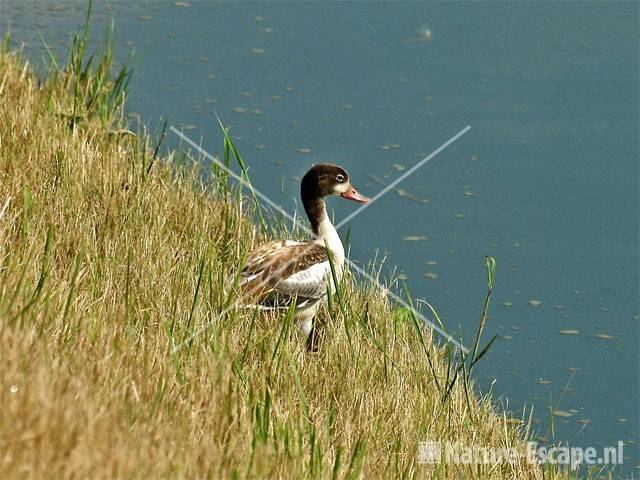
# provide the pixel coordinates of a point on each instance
(546, 180)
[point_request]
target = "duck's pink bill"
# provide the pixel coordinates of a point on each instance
(352, 194)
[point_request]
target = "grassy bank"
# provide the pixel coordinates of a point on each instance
(121, 356)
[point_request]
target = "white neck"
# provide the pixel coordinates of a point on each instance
(327, 234)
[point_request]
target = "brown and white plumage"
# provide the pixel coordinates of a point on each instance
(287, 267)
(276, 273)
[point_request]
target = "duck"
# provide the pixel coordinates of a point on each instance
(278, 273)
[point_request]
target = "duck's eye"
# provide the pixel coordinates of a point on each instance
(340, 178)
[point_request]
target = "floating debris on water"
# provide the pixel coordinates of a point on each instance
(374, 178)
(56, 7)
(403, 276)
(255, 111)
(414, 238)
(431, 275)
(188, 126)
(171, 34)
(604, 336)
(239, 109)
(394, 145)
(276, 97)
(428, 98)
(400, 168)
(562, 414)
(569, 331)
(258, 18)
(202, 60)
(261, 146)
(288, 88)
(211, 76)
(459, 215)
(258, 51)
(247, 94)
(304, 150)
(407, 195)
(348, 106)
(469, 193)
(145, 18)
(279, 162)
(534, 302)
(622, 420)
(542, 381)
(507, 304)
(266, 29)
(473, 157)
(507, 337)
(431, 263)
(426, 34)
(182, 4)
(385, 147)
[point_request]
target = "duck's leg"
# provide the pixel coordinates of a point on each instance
(309, 329)
(313, 340)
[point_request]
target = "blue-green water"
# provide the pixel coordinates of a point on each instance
(546, 181)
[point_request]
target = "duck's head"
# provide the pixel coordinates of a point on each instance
(325, 179)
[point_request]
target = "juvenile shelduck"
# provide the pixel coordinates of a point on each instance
(278, 272)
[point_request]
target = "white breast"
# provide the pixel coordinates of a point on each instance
(311, 282)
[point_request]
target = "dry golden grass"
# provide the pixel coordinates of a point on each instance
(104, 269)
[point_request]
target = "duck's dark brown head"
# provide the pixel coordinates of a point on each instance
(326, 179)
(320, 181)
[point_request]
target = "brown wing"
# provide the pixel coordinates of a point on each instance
(269, 264)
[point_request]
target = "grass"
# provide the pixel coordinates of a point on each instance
(123, 354)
